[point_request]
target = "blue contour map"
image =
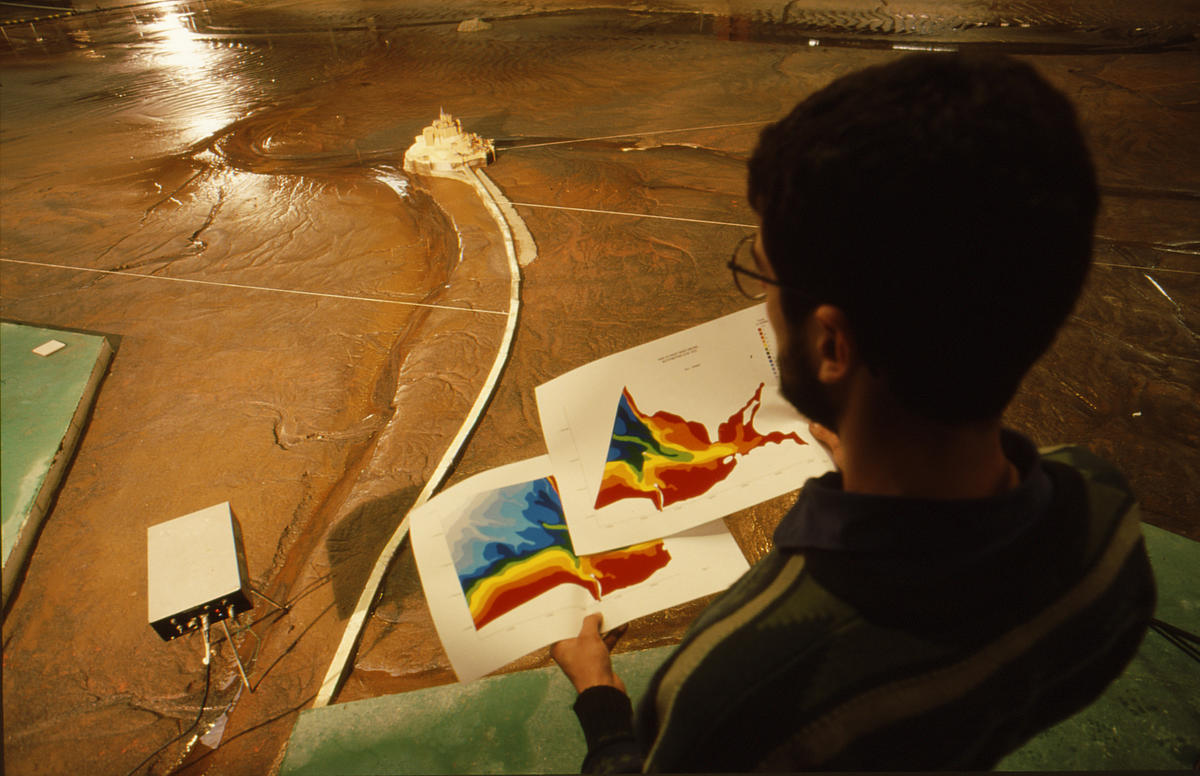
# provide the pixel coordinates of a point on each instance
(506, 524)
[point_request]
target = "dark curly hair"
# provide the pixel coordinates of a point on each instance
(946, 203)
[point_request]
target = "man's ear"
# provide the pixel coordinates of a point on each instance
(835, 350)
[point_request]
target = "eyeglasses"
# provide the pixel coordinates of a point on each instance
(746, 276)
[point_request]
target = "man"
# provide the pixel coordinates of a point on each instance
(925, 228)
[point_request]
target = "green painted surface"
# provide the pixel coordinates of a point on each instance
(513, 723)
(1149, 719)
(39, 396)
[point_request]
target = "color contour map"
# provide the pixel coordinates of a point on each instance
(665, 458)
(512, 545)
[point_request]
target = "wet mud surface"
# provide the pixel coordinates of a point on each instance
(237, 164)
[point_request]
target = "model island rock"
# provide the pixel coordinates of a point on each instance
(443, 147)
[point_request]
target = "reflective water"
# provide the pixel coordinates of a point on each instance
(239, 163)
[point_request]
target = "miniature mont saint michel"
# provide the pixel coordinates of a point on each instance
(443, 147)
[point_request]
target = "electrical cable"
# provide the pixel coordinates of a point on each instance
(1186, 641)
(199, 714)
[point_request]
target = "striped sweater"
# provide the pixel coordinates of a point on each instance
(900, 634)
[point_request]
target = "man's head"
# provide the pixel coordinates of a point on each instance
(945, 205)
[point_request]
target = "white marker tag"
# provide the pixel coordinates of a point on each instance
(47, 348)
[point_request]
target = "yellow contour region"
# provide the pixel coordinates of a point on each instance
(651, 464)
(544, 563)
(540, 564)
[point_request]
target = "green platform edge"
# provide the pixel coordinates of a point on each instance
(1148, 719)
(44, 402)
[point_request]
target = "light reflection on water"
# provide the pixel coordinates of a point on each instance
(247, 141)
(196, 156)
(395, 181)
(205, 81)
(178, 45)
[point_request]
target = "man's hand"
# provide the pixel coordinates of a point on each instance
(585, 659)
(829, 441)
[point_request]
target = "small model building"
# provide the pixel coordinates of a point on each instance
(444, 147)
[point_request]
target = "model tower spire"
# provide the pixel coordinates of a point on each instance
(443, 147)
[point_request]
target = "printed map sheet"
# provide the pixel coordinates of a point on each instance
(502, 578)
(675, 433)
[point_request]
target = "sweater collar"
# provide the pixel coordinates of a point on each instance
(827, 518)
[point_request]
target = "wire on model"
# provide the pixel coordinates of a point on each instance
(1186, 641)
(199, 714)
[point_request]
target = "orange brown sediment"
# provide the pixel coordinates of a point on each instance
(277, 402)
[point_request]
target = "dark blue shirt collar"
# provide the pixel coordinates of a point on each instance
(827, 518)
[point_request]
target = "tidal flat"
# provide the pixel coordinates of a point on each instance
(303, 326)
